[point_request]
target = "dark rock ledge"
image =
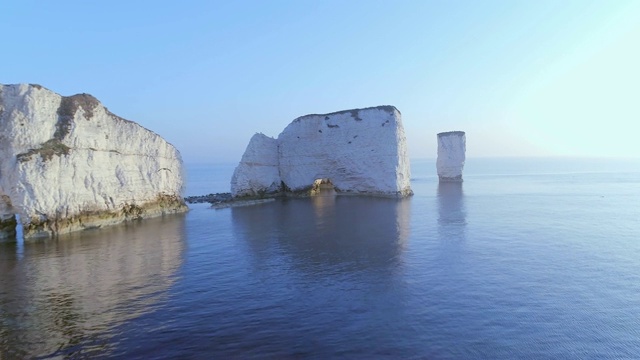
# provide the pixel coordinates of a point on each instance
(225, 200)
(211, 198)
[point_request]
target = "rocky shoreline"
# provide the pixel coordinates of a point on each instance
(224, 200)
(216, 198)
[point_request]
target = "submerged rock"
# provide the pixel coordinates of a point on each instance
(225, 200)
(451, 155)
(210, 198)
(67, 164)
(361, 151)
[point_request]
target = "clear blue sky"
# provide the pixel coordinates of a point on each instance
(531, 78)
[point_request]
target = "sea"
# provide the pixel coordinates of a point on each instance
(528, 258)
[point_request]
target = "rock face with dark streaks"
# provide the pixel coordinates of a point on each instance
(67, 164)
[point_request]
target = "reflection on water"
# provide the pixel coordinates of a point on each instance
(452, 216)
(326, 273)
(64, 297)
(350, 232)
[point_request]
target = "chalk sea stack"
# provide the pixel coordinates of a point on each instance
(451, 155)
(360, 151)
(67, 164)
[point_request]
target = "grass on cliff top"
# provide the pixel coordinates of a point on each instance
(46, 151)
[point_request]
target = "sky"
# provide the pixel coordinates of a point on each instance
(521, 78)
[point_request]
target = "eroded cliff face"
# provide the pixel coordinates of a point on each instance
(67, 163)
(360, 151)
(451, 155)
(258, 172)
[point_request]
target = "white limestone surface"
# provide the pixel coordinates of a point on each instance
(258, 171)
(451, 155)
(360, 151)
(67, 163)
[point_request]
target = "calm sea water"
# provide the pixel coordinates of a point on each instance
(528, 258)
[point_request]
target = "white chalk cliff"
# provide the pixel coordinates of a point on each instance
(67, 163)
(451, 155)
(361, 151)
(258, 171)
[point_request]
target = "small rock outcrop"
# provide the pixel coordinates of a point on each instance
(451, 155)
(360, 151)
(67, 163)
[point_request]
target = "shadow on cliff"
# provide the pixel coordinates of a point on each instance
(350, 233)
(64, 297)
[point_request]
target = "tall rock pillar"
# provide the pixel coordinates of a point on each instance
(451, 155)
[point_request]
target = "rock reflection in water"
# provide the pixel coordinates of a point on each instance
(452, 216)
(349, 232)
(64, 297)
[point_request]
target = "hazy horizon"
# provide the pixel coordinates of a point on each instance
(468, 158)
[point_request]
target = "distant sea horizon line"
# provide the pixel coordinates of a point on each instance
(480, 157)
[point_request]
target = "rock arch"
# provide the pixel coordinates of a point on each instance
(322, 184)
(362, 151)
(8, 222)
